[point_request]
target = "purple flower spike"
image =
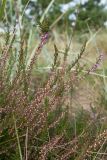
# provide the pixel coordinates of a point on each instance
(96, 65)
(44, 39)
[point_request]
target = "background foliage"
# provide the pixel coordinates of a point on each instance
(90, 12)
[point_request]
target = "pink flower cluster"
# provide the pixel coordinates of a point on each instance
(96, 65)
(44, 39)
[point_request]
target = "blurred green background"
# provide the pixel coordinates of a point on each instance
(81, 12)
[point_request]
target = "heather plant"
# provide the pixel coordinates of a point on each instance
(36, 124)
(37, 118)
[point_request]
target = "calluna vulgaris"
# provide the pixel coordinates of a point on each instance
(43, 112)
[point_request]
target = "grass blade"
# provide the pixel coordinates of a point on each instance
(19, 147)
(2, 8)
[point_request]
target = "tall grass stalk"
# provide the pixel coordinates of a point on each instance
(2, 8)
(46, 10)
(18, 141)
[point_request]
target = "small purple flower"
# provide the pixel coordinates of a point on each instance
(45, 36)
(44, 39)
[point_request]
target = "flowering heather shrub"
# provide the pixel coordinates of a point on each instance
(36, 124)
